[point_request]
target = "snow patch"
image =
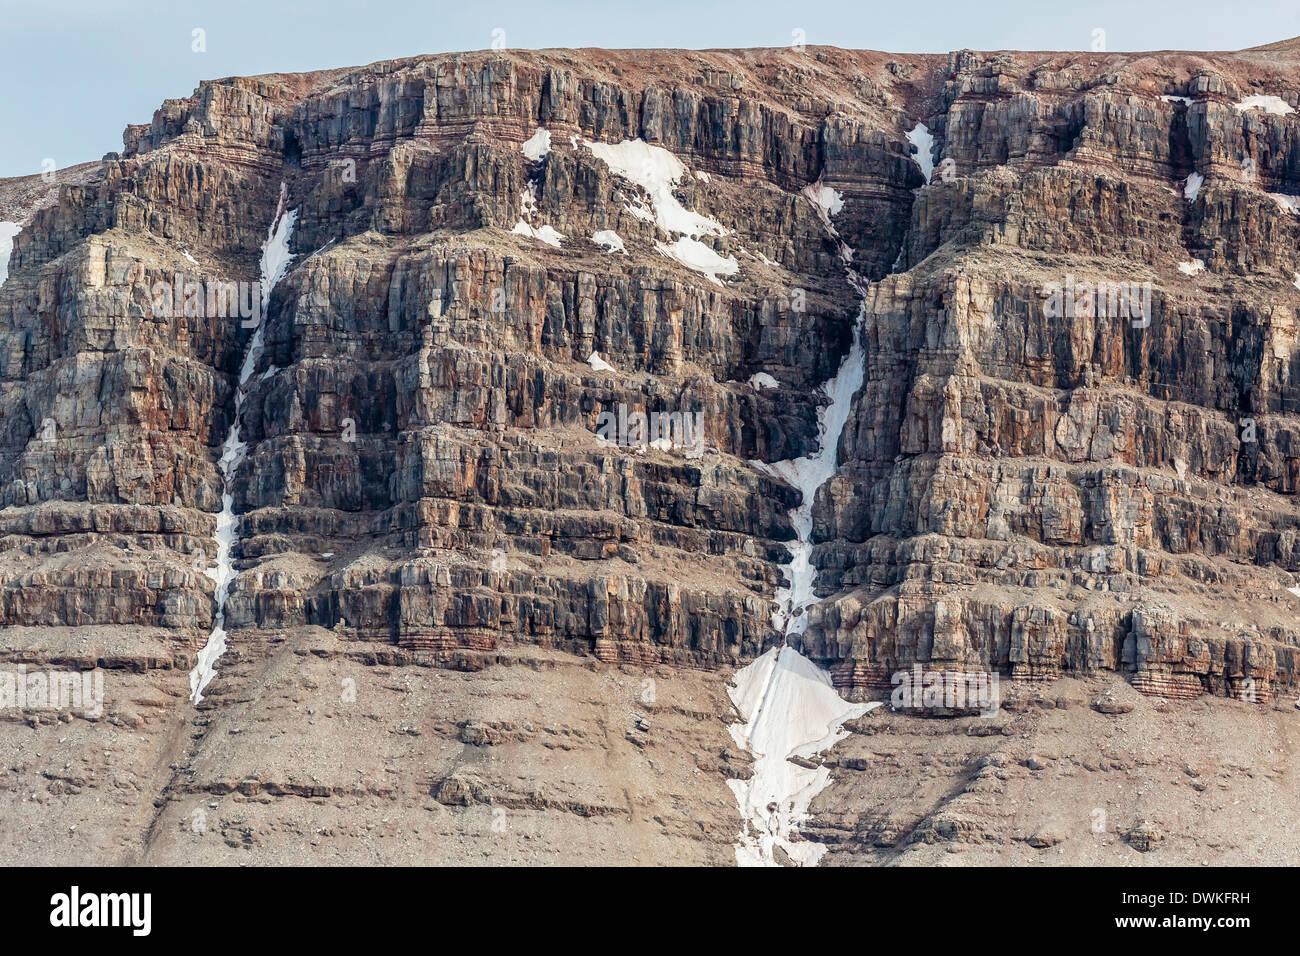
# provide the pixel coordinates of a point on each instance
(790, 710)
(921, 138)
(1192, 189)
(598, 363)
(657, 171)
(702, 176)
(827, 200)
(276, 258)
(761, 380)
(610, 240)
(538, 145)
(696, 255)
(640, 210)
(190, 258)
(1269, 104)
(7, 232)
(546, 234)
(1289, 203)
(1191, 268)
(1186, 101)
(528, 209)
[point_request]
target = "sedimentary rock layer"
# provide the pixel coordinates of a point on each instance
(1022, 487)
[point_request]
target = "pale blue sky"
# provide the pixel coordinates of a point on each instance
(75, 72)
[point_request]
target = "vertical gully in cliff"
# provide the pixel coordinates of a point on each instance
(275, 263)
(790, 708)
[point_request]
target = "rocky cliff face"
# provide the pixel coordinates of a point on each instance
(465, 580)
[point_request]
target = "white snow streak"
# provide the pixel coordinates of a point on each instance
(275, 263)
(656, 171)
(7, 232)
(1192, 188)
(921, 138)
(808, 474)
(789, 707)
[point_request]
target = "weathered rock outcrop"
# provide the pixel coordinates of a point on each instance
(1037, 491)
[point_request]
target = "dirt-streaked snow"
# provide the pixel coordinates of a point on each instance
(761, 380)
(1191, 268)
(827, 200)
(275, 263)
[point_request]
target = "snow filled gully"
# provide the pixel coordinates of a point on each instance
(275, 263)
(789, 707)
